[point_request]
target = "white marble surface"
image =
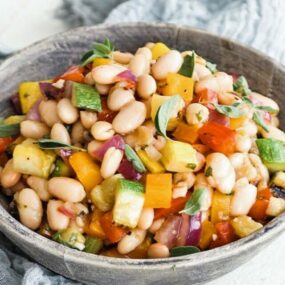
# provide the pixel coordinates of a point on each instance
(25, 21)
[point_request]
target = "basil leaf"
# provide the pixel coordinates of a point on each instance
(187, 67)
(163, 114)
(241, 86)
(247, 101)
(8, 130)
(211, 66)
(53, 144)
(229, 111)
(266, 108)
(193, 205)
(134, 159)
(259, 121)
(183, 250)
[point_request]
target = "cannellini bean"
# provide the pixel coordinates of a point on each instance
(105, 74)
(66, 189)
(111, 162)
(131, 241)
(48, 112)
(77, 133)
(221, 174)
(170, 62)
(146, 86)
(201, 182)
(102, 131)
(139, 65)
(66, 111)
(227, 98)
(224, 81)
(179, 190)
(33, 129)
(30, 208)
(140, 137)
(186, 177)
(146, 52)
(243, 143)
(122, 57)
(264, 101)
(119, 97)
(158, 250)
(56, 220)
(156, 225)
(208, 82)
(88, 119)
(249, 128)
(201, 71)
(92, 147)
(147, 104)
(60, 133)
(89, 79)
(40, 185)
(275, 207)
(196, 114)
(130, 117)
(259, 166)
(150, 45)
(200, 162)
(273, 133)
(244, 197)
(146, 218)
(9, 177)
(159, 143)
(103, 89)
(274, 122)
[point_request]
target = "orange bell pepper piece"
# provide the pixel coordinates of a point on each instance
(258, 210)
(74, 73)
(186, 133)
(201, 148)
(176, 206)
(217, 137)
(208, 229)
(4, 142)
(87, 171)
(93, 227)
(206, 97)
(158, 190)
(114, 233)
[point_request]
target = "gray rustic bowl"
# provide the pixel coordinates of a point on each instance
(49, 58)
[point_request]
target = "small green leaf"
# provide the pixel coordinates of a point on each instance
(229, 111)
(241, 86)
(53, 144)
(164, 113)
(266, 109)
(212, 67)
(259, 121)
(209, 171)
(134, 159)
(9, 130)
(187, 67)
(183, 250)
(247, 101)
(193, 205)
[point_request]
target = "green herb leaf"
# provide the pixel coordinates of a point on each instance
(163, 114)
(241, 86)
(209, 171)
(102, 50)
(134, 159)
(93, 245)
(211, 66)
(193, 205)
(187, 67)
(229, 111)
(53, 144)
(247, 101)
(9, 130)
(259, 121)
(183, 250)
(266, 109)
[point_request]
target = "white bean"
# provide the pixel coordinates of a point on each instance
(146, 218)
(225, 81)
(276, 207)
(248, 128)
(66, 111)
(122, 57)
(103, 89)
(146, 86)
(88, 119)
(186, 177)
(105, 74)
(130, 117)
(227, 98)
(60, 133)
(156, 225)
(48, 112)
(30, 208)
(259, 166)
(201, 182)
(201, 71)
(196, 114)
(111, 162)
(89, 79)
(102, 131)
(33, 129)
(146, 52)
(92, 147)
(170, 62)
(243, 143)
(66, 189)
(158, 250)
(9, 177)
(273, 133)
(131, 241)
(243, 198)
(208, 82)
(179, 190)
(40, 185)
(264, 101)
(77, 133)
(139, 65)
(200, 162)
(119, 97)
(56, 220)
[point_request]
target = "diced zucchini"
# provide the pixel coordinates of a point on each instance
(61, 169)
(275, 207)
(93, 245)
(70, 237)
(28, 158)
(244, 226)
(129, 202)
(86, 97)
(279, 179)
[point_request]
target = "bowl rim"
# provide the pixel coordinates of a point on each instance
(10, 224)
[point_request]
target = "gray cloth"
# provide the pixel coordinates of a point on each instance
(259, 24)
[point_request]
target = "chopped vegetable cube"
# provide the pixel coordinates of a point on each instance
(208, 230)
(94, 228)
(220, 210)
(186, 133)
(152, 165)
(244, 226)
(158, 50)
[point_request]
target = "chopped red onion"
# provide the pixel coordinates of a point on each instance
(184, 229)
(68, 88)
(15, 101)
(127, 76)
(194, 231)
(127, 170)
(49, 91)
(33, 113)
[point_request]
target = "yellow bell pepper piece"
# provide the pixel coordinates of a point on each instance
(158, 190)
(14, 120)
(158, 50)
(244, 226)
(178, 156)
(177, 84)
(101, 61)
(29, 93)
(208, 230)
(87, 171)
(94, 227)
(236, 123)
(151, 165)
(220, 210)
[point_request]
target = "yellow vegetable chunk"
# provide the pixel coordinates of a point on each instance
(29, 93)
(158, 191)
(15, 119)
(101, 61)
(177, 84)
(158, 50)
(178, 156)
(244, 226)
(151, 165)
(208, 230)
(28, 158)
(220, 210)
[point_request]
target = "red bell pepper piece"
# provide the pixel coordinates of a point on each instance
(74, 73)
